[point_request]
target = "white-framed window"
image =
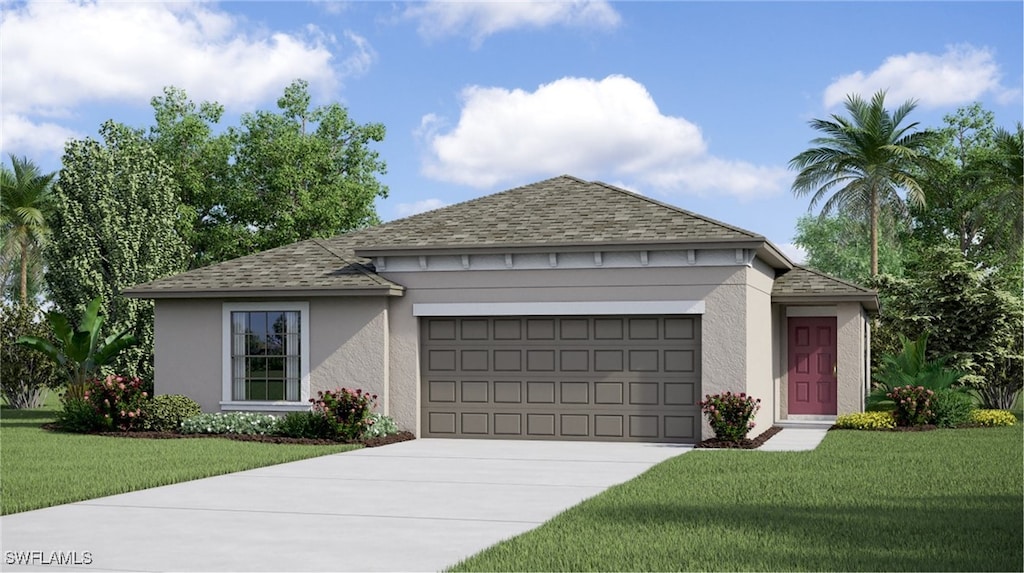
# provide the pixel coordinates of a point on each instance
(266, 356)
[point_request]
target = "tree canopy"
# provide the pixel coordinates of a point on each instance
(25, 204)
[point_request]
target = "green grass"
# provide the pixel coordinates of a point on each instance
(39, 468)
(946, 500)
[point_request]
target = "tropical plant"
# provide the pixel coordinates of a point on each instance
(25, 375)
(910, 368)
(730, 415)
(80, 351)
(25, 206)
(861, 163)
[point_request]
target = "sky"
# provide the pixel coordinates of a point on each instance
(697, 104)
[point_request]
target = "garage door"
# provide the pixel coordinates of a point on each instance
(603, 378)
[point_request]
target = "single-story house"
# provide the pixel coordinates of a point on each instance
(564, 309)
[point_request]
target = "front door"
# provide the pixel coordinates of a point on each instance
(812, 365)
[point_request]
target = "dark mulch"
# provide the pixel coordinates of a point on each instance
(747, 444)
(369, 442)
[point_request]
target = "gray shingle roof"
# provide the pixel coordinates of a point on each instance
(561, 211)
(803, 282)
(313, 265)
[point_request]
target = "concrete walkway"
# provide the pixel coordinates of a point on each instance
(421, 505)
(794, 440)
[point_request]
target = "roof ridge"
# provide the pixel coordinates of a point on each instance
(358, 266)
(677, 209)
(830, 277)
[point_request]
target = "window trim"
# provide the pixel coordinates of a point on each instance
(229, 404)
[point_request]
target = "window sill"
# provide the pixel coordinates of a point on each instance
(264, 406)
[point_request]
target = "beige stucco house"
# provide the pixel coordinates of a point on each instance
(564, 309)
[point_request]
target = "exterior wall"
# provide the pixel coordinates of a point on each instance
(852, 360)
(348, 347)
(724, 324)
(759, 339)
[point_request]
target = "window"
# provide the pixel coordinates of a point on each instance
(266, 353)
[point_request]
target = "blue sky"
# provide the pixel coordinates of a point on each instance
(699, 104)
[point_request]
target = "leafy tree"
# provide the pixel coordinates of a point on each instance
(860, 163)
(970, 317)
(114, 227)
(25, 375)
(24, 208)
(973, 190)
(278, 178)
(839, 245)
(81, 351)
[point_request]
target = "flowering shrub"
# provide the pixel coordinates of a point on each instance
(350, 409)
(913, 405)
(117, 401)
(992, 418)
(731, 415)
(249, 423)
(867, 421)
(380, 426)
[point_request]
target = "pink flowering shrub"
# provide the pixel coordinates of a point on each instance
(913, 405)
(731, 415)
(117, 401)
(349, 409)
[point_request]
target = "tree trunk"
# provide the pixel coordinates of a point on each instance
(24, 272)
(874, 232)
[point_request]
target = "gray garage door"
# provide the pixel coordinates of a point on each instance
(606, 378)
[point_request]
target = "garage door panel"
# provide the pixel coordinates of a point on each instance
(586, 378)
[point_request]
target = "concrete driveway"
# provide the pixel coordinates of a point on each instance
(421, 505)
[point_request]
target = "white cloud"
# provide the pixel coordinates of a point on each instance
(609, 128)
(796, 253)
(482, 19)
(961, 74)
(22, 136)
(407, 209)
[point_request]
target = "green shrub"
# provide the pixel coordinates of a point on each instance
(349, 408)
(248, 423)
(910, 367)
(78, 415)
(730, 414)
(992, 418)
(867, 421)
(166, 412)
(380, 426)
(26, 376)
(311, 425)
(951, 409)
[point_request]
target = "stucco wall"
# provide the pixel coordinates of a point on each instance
(759, 373)
(724, 324)
(348, 347)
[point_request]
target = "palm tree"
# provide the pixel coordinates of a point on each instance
(25, 202)
(862, 162)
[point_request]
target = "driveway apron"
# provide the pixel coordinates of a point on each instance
(421, 505)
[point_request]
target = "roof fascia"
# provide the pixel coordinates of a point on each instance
(407, 250)
(262, 293)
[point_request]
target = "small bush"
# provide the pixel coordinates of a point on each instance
(730, 414)
(166, 412)
(26, 376)
(349, 408)
(867, 421)
(80, 416)
(380, 426)
(951, 408)
(247, 423)
(118, 401)
(312, 425)
(992, 418)
(913, 405)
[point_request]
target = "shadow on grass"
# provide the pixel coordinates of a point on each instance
(944, 533)
(27, 417)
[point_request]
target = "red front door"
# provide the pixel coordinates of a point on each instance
(812, 365)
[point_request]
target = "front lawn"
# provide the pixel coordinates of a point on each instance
(945, 500)
(39, 468)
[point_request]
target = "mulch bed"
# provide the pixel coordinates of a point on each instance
(369, 442)
(747, 444)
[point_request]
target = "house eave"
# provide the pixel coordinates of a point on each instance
(532, 248)
(239, 293)
(868, 300)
